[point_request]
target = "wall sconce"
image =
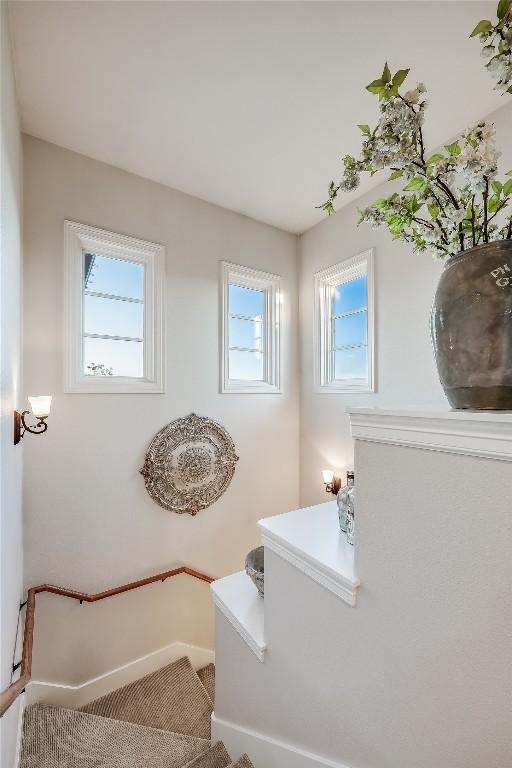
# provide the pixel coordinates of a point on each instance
(41, 409)
(332, 483)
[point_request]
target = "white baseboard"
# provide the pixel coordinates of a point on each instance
(74, 696)
(265, 751)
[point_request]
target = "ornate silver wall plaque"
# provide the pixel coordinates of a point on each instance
(189, 464)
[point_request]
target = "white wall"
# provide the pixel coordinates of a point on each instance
(89, 522)
(405, 284)
(11, 387)
(417, 674)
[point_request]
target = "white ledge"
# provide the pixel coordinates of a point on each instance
(470, 433)
(310, 540)
(237, 598)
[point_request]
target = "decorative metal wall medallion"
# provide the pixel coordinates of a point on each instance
(189, 464)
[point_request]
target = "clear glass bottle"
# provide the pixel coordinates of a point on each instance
(342, 499)
(350, 517)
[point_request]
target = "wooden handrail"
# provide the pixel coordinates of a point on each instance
(9, 696)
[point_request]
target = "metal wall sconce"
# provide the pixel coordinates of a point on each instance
(332, 483)
(41, 409)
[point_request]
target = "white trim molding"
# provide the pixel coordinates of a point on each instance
(237, 599)
(266, 751)
(469, 433)
(325, 282)
(74, 696)
(79, 239)
(270, 285)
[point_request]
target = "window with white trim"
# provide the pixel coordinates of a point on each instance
(113, 312)
(344, 353)
(249, 330)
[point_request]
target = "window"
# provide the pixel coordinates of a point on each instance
(114, 312)
(344, 326)
(249, 330)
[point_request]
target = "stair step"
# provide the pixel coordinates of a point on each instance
(215, 757)
(54, 737)
(171, 699)
(207, 677)
(242, 762)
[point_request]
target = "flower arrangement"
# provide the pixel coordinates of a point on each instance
(497, 45)
(452, 200)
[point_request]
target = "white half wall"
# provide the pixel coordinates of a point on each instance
(89, 522)
(417, 674)
(11, 386)
(405, 284)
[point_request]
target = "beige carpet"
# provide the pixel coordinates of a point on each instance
(243, 762)
(207, 677)
(172, 699)
(216, 757)
(64, 738)
(159, 721)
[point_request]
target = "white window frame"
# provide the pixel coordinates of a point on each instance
(80, 239)
(325, 282)
(235, 274)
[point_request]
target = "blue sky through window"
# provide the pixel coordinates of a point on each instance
(113, 317)
(350, 329)
(349, 296)
(246, 327)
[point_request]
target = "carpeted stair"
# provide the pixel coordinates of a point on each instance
(207, 677)
(159, 721)
(172, 698)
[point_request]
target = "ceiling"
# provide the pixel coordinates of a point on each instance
(248, 105)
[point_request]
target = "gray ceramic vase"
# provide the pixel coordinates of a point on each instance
(255, 568)
(471, 327)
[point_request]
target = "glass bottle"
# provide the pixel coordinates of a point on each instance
(342, 499)
(350, 517)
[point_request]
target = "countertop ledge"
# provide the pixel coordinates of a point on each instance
(237, 598)
(310, 540)
(486, 434)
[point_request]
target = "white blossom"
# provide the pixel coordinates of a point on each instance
(373, 216)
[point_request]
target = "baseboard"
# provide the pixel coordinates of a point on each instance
(265, 751)
(74, 696)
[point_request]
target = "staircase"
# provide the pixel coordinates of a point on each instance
(159, 721)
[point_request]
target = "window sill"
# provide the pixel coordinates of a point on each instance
(345, 387)
(119, 386)
(258, 388)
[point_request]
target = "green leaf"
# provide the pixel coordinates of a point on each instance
(507, 188)
(381, 203)
(328, 207)
(497, 186)
(377, 86)
(418, 182)
(396, 175)
(482, 26)
(435, 159)
(365, 129)
(453, 149)
(503, 8)
(434, 211)
(399, 77)
(508, 173)
(386, 74)
(493, 204)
